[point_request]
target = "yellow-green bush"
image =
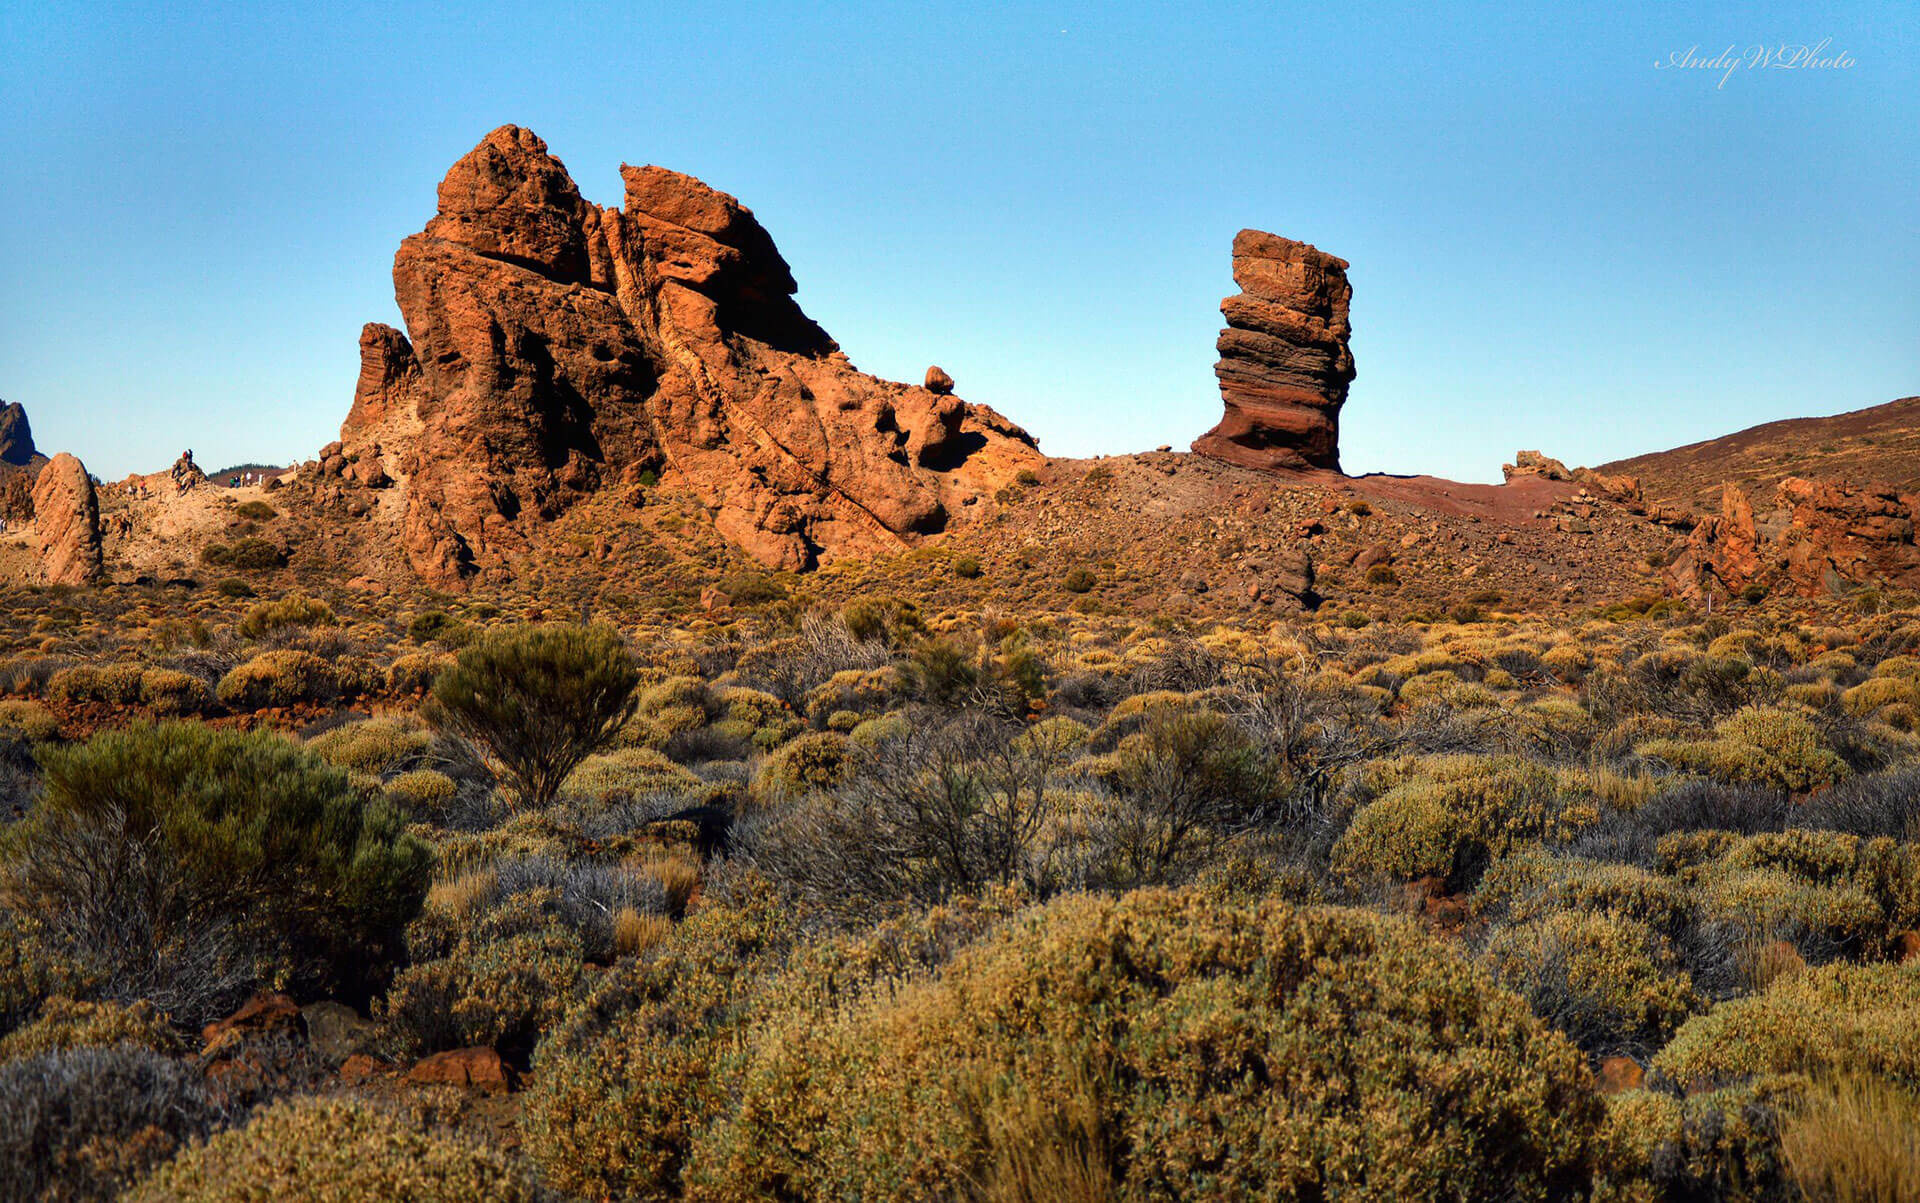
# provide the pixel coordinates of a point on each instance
(817, 760)
(339, 1151)
(677, 704)
(377, 745)
(1609, 982)
(1450, 816)
(1773, 746)
(414, 673)
(422, 793)
(626, 775)
(280, 678)
(1834, 1018)
(623, 1087)
(114, 684)
(503, 993)
(1532, 883)
(167, 691)
(1167, 1045)
(1877, 693)
(284, 614)
(32, 970)
(65, 1023)
(31, 721)
(1721, 1144)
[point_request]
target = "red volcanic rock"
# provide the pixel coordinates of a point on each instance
(1821, 538)
(557, 348)
(1284, 365)
(470, 1068)
(938, 381)
(67, 521)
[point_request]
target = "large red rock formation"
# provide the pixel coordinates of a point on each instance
(67, 522)
(1821, 538)
(1284, 365)
(557, 347)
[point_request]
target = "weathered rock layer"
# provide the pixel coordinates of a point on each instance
(557, 347)
(1284, 365)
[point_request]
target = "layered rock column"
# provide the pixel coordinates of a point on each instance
(1284, 364)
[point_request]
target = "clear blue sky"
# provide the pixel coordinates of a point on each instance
(1554, 243)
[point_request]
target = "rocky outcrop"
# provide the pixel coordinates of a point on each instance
(16, 438)
(1532, 463)
(558, 348)
(1821, 538)
(1284, 365)
(67, 523)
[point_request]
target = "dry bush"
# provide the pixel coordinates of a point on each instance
(1855, 1140)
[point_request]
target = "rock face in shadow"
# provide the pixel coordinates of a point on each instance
(557, 348)
(67, 523)
(1284, 365)
(16, 437)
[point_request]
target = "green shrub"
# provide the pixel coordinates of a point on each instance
(33, 970)
(340, 1151)
(1167, 1045)
(538, 701)
(278, 679)
(293, 612)
(151, 840)
(967, 568)
(255, 511)
(248, 555)
(1079, 579)
(233, 586)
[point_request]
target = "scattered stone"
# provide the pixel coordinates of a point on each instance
(264, 1012)
(1619, 1074)
(478, 1069)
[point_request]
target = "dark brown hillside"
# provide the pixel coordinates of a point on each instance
(1880, 444)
